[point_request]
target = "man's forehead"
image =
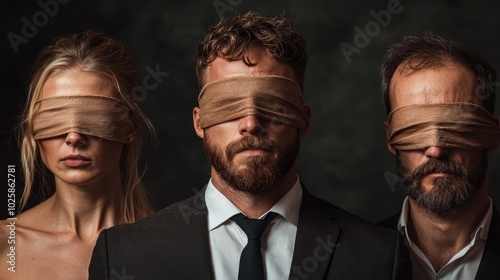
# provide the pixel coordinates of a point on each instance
(221, 68)
(450, 82)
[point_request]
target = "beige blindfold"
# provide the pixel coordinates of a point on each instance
(448, 125)
(272, 98)
(97, 116)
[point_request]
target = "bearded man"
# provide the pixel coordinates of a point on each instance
(254, 219)
(440, 99)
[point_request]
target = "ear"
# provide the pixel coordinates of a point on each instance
(389, 146)
(307, 118)
(196, 123)
(132, 133)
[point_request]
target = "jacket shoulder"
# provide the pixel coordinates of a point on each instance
(165, 243)
(178, 214)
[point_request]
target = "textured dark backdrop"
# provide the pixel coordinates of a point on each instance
(344, 157)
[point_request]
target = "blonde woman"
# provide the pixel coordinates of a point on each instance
(80, 140)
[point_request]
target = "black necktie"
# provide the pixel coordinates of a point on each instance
(251, 267)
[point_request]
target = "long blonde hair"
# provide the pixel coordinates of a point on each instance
(90, 52)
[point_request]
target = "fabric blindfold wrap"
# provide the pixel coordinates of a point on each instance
(274, 98)
(97, 116)
(448, 125)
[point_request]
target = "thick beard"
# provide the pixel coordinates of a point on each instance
(448, 196)
(260, 173)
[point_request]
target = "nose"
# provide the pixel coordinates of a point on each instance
(250, 125)
(436, 152)
(76, 140)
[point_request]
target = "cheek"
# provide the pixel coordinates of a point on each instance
(48, 149)
(110, 152)
(221, 135)
(411, 159)
(288, 135)
(468, 158)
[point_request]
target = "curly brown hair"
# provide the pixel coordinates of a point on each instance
(232, 38)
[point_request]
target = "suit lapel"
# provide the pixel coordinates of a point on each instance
(491, 255)
(315, 242)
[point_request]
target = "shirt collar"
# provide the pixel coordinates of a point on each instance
(220, 208)
(484, 226)
(481, 231)
(403, 222)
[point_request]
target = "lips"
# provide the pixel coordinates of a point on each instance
(264, 149)
(253, 152)
(439, 174)
(75, 161)
(442, 172)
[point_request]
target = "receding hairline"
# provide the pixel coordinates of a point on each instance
(407, 68)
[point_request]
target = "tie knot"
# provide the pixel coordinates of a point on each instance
(253, 228)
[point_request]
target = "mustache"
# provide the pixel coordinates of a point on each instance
(250, 143)
(440, 166)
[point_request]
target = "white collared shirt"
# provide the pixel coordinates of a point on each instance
(227, 239)
(463, 265)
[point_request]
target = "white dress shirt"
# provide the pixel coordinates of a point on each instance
(463, 265)
(227, 239)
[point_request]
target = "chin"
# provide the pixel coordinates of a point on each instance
(77, 179)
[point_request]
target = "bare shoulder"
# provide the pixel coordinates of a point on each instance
(35, 247)
(15, 228)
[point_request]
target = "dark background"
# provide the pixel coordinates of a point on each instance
(343, 159)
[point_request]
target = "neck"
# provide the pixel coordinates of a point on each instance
(86, 209)
(251, 204)
(440, 238)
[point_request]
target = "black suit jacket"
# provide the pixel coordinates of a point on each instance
(174, 244)
(488, 267)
